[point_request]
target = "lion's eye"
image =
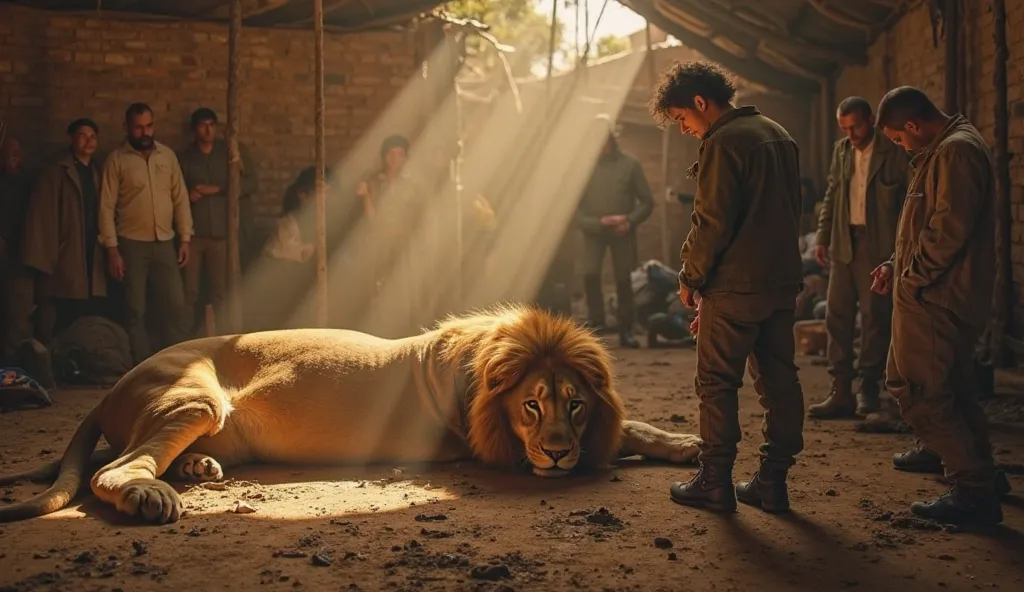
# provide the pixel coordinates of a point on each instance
(575, 404)
(534, 405)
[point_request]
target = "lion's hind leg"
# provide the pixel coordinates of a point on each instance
(194, 467)
(130, 483)
(651, 442)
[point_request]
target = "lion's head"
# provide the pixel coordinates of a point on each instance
(542, 393)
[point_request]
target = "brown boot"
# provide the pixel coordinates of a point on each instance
(867, 399)
(838, 405)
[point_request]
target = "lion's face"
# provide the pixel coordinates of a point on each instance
(548, 411)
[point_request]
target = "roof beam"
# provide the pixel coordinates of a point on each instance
(752, 69)
(723, 25)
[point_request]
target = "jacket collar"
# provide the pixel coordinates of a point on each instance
(745, 111)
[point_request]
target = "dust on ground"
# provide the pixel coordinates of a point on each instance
(460, 527)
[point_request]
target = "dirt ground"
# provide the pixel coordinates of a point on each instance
(463, 528)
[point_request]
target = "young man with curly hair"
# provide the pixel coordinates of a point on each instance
(742, 269)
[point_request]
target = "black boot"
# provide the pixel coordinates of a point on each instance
(624, 292)
(627, 340)
(838, 405)
(766, 490)
(918, 460)
(595, 302)
(711, 488)
(868, 400)
(961, 505)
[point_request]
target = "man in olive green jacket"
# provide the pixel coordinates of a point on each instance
(204, 166)
(942, 277)
(856, 232)
(742, 261)
(616, 199)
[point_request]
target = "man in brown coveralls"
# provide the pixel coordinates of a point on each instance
(742, 260)
(856, 232)
(943, 261)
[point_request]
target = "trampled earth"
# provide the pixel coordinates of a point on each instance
(460, 527)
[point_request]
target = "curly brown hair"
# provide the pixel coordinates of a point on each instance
(683, 81)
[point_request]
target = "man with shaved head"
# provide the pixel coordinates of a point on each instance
(941, 278)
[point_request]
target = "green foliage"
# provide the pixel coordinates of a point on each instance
(610, 45)
(513, 22)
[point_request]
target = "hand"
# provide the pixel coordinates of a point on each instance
(115, 264)
(208, 189)
(183, 254)
(821, 255)
(613, 220)
(194, 195)
(695, 323)
(623, 228)
(307, 251)
(687, 297)
(882, 279)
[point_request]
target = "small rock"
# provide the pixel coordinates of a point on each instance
(663, 543)
(831, 492)
(490, 572)
(241, 507)
(139, 548)
(672, 556)
(946, 558)
(321, 559)
(430, 517)
(676, 418)
(214, 486)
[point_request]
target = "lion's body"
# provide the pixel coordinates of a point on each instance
(324, 396)
(316, 396)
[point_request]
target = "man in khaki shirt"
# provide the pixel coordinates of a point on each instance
(142, 199)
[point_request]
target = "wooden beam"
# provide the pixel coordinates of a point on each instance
(1003, 297)
(321, 157)
(328, 9)
(234, 270)
(951, 25)
(729, 26)
(754, 70)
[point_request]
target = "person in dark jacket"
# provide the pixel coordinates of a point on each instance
(204, 165)
(616, 200)
(741, 261)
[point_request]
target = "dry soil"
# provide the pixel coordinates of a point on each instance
(460, 527)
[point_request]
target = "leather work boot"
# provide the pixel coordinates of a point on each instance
(710, 488)
(838, 405)
(918, 460)
(867, 399)
(922, 460)
(961, 505)
(766, 490)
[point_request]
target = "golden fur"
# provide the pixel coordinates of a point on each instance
(510, 387)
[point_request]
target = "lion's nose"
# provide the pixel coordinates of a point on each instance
(556, 455)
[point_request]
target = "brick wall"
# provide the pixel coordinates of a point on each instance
(906, 55)
(55, 68)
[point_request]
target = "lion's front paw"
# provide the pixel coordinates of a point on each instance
(151, 499)
(195, 467)
(682, 448)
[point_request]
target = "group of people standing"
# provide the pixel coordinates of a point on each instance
(907, 231)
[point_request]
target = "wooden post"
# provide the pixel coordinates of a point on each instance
(1004, 270)
(234, 270)
(321, 197)
(951, 22)
(551, 48)
(652, 80)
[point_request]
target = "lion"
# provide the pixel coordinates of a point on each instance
(513, 387)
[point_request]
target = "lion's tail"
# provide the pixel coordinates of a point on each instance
(69, 476)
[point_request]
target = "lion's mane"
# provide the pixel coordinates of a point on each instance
(501, 346)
